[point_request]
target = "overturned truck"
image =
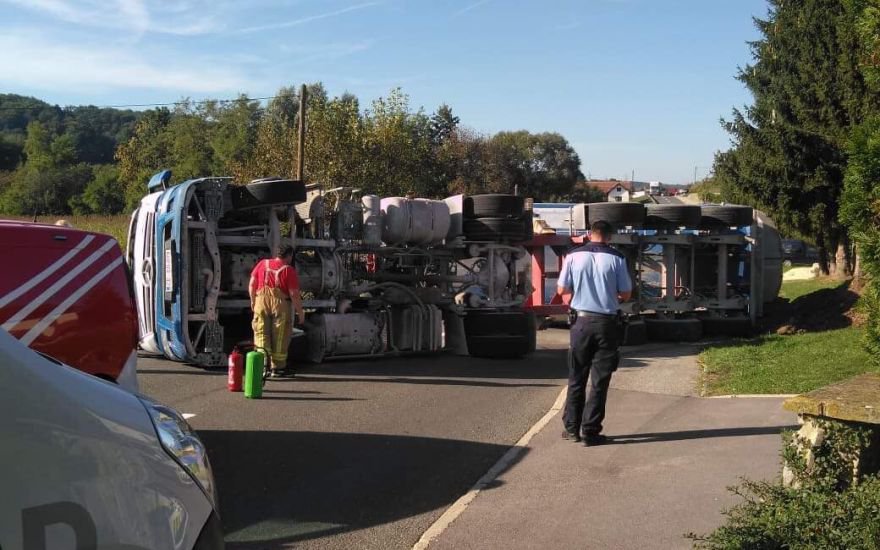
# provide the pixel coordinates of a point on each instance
(378, 276)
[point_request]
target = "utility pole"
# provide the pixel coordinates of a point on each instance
(301, 134)
(695, 174)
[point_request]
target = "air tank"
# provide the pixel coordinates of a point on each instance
(372, 219)
(422, 226)
(414, 221)
(396, 220)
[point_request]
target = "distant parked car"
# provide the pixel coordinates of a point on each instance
(86, 464)
(66, 293)
(793, 249)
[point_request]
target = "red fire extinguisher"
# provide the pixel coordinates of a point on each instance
(236, 368)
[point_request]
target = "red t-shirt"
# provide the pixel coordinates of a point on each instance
(275, 273)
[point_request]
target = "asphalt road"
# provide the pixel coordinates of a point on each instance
(667, 200)
(359, 454)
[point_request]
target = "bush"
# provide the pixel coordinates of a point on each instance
(860, 212)
(103, 195)
(826, 511)
(44, 191)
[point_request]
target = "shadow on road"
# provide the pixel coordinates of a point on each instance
(189, 370)
(283, 487)
(428, 381)
(696, 434)
(542, 365)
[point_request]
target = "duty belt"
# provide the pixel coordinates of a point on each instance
(581, 313)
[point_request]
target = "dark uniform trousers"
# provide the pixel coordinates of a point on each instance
(593, 357)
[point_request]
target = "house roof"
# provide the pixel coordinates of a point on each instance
(606, 186)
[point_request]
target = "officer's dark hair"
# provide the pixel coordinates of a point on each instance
(285, 251)
(601, 228)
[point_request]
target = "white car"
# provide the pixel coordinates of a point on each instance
(86, 464)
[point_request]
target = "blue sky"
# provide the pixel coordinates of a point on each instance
(635, 85)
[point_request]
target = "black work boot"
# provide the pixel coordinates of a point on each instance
(594, 440)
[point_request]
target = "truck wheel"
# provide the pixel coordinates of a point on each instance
(736, 327)
(268, 192)
(623, 214)
(674, 330)
(635, 333)
(493, 206)
(500, 334)
(495, 229)
(498, 347)
(668, 216)
(725, 216)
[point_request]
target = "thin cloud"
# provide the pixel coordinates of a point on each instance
(471, 7)
(307, 19)
(63, 67)
(135, 16)
(324, 52)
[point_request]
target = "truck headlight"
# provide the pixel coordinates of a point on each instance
(184, 446)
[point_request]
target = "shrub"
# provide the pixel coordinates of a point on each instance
(860, 212)
(826, 511)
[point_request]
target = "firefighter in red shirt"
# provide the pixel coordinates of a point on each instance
(273, 287)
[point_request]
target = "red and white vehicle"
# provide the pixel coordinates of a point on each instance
(66, 293)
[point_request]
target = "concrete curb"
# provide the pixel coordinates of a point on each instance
(460, 505)
(752, 396)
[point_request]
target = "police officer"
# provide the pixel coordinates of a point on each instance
(597, 277)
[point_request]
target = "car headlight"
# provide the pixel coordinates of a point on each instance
(180, 441)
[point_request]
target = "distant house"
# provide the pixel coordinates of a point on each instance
(614, 190)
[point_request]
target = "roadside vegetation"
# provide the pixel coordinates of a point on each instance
(117, 226)
(89, 160)
(811, 339)
(827, 508)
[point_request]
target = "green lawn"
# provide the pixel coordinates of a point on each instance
(786, 364)
(795, 289)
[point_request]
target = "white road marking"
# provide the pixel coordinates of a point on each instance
(187, 416)
(40, 277)
(50, 318)
(460, 505)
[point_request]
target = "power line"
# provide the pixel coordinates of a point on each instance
(136, 105)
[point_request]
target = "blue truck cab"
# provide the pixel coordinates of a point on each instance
(192, 247)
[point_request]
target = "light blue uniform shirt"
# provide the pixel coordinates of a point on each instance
(595, 273)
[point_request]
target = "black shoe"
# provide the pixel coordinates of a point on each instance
(594, 440)
(571, 436)
(279, 373)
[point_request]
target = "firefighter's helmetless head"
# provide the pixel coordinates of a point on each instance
(285, 252)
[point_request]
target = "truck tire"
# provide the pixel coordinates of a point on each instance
(674, 330)
(669, 216)
(736, 327)
(725, 216)
(487, 323)
(268, 192)
(498, 347)
(495, 229)
(500, 334)
(635, 333)
(619, 214)
(493, 205)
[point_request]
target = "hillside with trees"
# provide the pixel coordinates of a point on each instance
(86, 160)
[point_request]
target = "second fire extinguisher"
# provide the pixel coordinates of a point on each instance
(236, 370)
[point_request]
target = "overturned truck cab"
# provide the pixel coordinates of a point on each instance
(378, 276)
